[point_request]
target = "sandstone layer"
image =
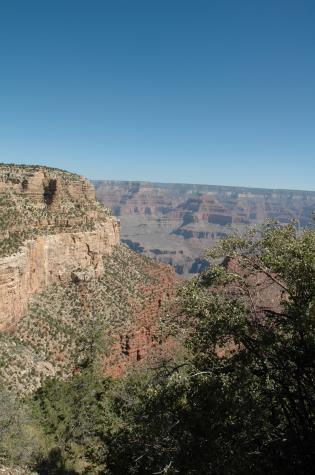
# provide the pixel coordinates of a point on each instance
(175, 223)
(49, 259)
(52, 229)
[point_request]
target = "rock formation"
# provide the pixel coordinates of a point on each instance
(175, 223)
(66, 282)
(53, 229)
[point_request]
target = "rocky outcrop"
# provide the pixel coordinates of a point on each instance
(49, 259)
(59, 232)
(175, 223)
(44, 185)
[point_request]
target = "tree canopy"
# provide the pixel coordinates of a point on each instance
(236, 397)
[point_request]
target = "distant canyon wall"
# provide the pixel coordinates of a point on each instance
(176, 223)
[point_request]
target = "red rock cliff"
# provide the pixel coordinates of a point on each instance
(52, 229)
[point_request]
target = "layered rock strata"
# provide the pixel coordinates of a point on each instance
(176, 223)
(55, 230)
(49, 259)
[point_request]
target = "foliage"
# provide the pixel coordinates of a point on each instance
(20, 437)
(245, 401)
(78, 422)
(238, 399)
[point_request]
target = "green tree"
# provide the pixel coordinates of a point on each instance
(77, 421)
(20, 437)
(238, 399)
(243, 399)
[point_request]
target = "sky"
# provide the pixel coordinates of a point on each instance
(199, 91)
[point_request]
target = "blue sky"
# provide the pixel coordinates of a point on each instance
(199, 91)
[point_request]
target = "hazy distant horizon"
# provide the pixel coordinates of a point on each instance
(168, 91)
(202, 185)
(162, 183)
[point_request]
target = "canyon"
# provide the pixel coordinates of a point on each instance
(88, 325)
(176, 223)
(65, 280)
(64, 271)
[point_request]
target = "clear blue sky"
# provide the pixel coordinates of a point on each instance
(202, 91)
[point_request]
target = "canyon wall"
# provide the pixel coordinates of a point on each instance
(65, 232)
(49, 259)
(66, 284)
(176, 223)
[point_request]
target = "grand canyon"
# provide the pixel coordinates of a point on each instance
(102, 347)
(157, 237)
(176, 223)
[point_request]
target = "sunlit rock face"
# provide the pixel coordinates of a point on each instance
(66, 279)
(175, 223)
(51, 227)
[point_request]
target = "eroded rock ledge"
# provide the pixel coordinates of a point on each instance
(52, 230)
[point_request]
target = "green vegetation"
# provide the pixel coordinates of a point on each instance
(21, 440)
(237, 398)
(66, 325)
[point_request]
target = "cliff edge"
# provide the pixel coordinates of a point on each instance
(52, 229)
